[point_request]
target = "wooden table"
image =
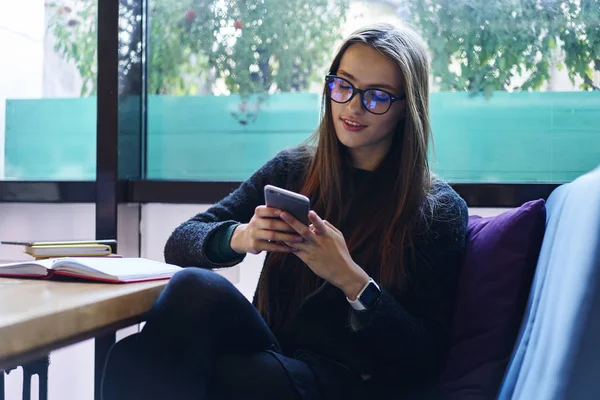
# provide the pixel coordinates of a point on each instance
(39, 316)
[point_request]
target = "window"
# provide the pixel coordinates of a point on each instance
(516, 87)
(233, 82)
(230, 83)
(513, 85)
(47, 84)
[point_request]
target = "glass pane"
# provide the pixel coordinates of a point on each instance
(47, 88)
(232, 82)
(514, 86)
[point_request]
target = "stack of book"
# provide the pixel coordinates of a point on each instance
(90, 248)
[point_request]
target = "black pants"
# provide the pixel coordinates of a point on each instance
(204, 340)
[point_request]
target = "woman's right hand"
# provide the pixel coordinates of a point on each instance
(265, 232)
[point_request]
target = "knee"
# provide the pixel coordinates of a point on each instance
(191, 282)
(192, 287)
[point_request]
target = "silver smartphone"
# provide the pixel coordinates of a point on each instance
(295, 203)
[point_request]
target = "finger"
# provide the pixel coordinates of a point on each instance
(273, 224)
(267, 212)
(330, 225)
(298, 226)
(320, 227)
(277, 247)
(315, 231)
(299, 246)
(274, 236)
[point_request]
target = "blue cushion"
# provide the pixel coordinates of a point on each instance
(558, 316)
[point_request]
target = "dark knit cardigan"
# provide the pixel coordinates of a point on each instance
(403, 341)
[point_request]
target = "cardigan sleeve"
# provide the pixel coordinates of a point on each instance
(409, 335)
(188, 244)
(218, 247)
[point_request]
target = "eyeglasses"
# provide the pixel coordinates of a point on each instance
(375, 101)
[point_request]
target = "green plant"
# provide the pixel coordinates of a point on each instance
(481, 46)
(74, 26)
(281, 43)
(577, 25)
(254, 46)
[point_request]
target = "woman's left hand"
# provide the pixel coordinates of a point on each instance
(325, 252)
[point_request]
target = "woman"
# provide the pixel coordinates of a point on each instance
(356, 304)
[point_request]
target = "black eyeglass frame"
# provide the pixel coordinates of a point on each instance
(356, 91)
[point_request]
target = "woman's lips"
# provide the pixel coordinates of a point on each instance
(351, 125)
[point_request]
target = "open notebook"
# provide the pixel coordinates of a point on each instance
(92, 268)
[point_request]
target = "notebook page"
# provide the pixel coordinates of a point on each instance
(121, 269)
(39, 267)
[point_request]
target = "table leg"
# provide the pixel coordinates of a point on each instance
(43, 382)
(26, 385)
(39, 368)
(1, 384)
(102, 346)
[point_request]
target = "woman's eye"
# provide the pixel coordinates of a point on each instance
(380, 96)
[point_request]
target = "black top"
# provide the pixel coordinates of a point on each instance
(403, 340)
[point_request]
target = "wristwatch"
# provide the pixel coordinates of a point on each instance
(367, 297)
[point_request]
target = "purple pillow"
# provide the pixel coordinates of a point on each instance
(493, 288)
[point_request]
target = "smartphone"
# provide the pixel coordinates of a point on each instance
(295, 203)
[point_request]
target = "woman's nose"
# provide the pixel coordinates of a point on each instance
(355, 105)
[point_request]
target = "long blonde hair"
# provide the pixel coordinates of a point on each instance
(379, 237)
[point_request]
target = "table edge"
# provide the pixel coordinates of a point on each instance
(22, 358)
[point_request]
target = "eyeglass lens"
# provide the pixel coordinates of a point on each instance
(374, 100)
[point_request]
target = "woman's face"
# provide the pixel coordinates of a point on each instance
(370, 140)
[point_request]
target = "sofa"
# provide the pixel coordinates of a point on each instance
(527, 321)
